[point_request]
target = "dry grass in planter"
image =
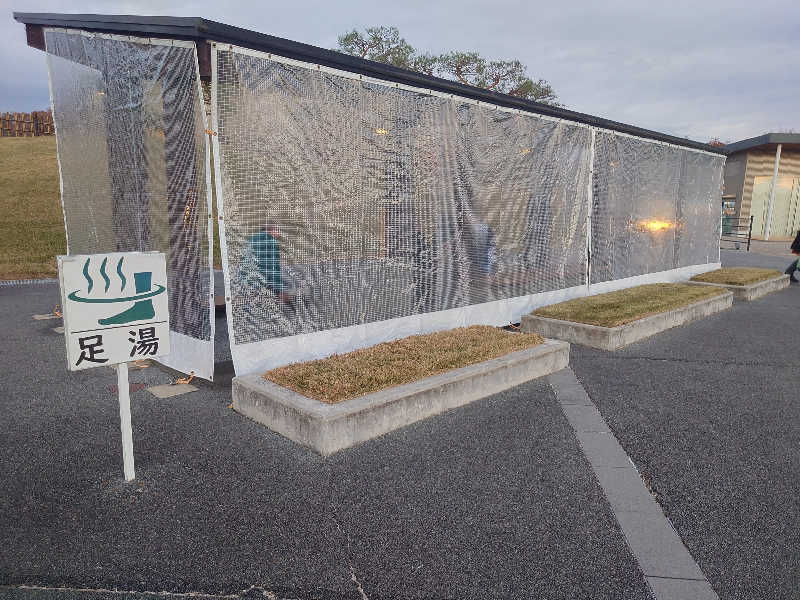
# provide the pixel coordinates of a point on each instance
(623, 306)
(737, 276)
(344, 376)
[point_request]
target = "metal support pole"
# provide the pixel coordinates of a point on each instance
(590, 208)
(768, 223)
(125, 420)
(750, 233)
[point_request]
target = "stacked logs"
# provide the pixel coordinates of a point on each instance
(16, 124)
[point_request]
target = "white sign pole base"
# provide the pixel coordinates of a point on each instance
(125, 420)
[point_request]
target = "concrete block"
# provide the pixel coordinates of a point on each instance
(602, 449)
(613, 338)
(168, 390)
(328, 428)
(563, 377)
(657, 547)
(568, 389)
(753, 290)
(625, 490)
(584, 418)
(670, 570)
(665, 588)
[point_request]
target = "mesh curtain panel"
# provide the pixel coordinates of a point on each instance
(700, 197)
(654, 207)
(132, 153)
(349, 202)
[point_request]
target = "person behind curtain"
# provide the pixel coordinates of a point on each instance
(423, 262)
(264, 262)
(481, 246)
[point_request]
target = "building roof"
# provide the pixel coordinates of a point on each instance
(201, 30)
(768, 141)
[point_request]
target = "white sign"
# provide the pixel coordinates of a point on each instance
(115, 307)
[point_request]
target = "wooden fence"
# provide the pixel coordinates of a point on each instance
(39, 122)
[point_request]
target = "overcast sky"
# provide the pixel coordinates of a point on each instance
(699, 69)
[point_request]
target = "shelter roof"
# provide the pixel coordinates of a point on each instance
(768, 141)
(203, 30)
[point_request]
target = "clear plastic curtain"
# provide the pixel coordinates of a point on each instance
(358, 210)
(132, 153)
(655, 207)
(349, 202)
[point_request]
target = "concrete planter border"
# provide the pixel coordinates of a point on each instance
(328, 428)
(613, 338)
(753, 290)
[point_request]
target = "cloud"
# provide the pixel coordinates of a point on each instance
(695, 69)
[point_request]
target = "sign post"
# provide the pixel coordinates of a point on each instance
(125, 421)
(115, 311)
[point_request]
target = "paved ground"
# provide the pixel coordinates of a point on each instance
(492, 500)
(751, 259)
(710, 414)
(772, 248)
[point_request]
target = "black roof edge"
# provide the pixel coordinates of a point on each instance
(768, 139)
(180, 27)
(197, 28)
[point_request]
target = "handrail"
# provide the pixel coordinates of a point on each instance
(736, 230)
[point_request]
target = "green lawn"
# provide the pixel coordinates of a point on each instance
(32, 225)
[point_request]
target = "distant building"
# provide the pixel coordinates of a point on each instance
(762, 179)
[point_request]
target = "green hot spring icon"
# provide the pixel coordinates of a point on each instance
(142, 308)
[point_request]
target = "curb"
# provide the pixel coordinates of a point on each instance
(328, 428)
(667, 565)
(12, 282)
(753, 290)
(614, 338)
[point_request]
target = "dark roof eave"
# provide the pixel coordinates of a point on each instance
(201, 29)
(766, 140)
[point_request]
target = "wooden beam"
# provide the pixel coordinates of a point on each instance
(35, 36)
(204, 58)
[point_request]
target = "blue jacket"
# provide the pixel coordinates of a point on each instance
(267, 252)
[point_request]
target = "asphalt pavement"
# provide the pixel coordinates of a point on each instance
(493, 500)
(710, 414)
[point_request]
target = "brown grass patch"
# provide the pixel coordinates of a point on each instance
(737, 275)
(623, 306)
(344, 376)
(32, 226)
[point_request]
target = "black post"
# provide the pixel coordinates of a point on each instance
(750, 233)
